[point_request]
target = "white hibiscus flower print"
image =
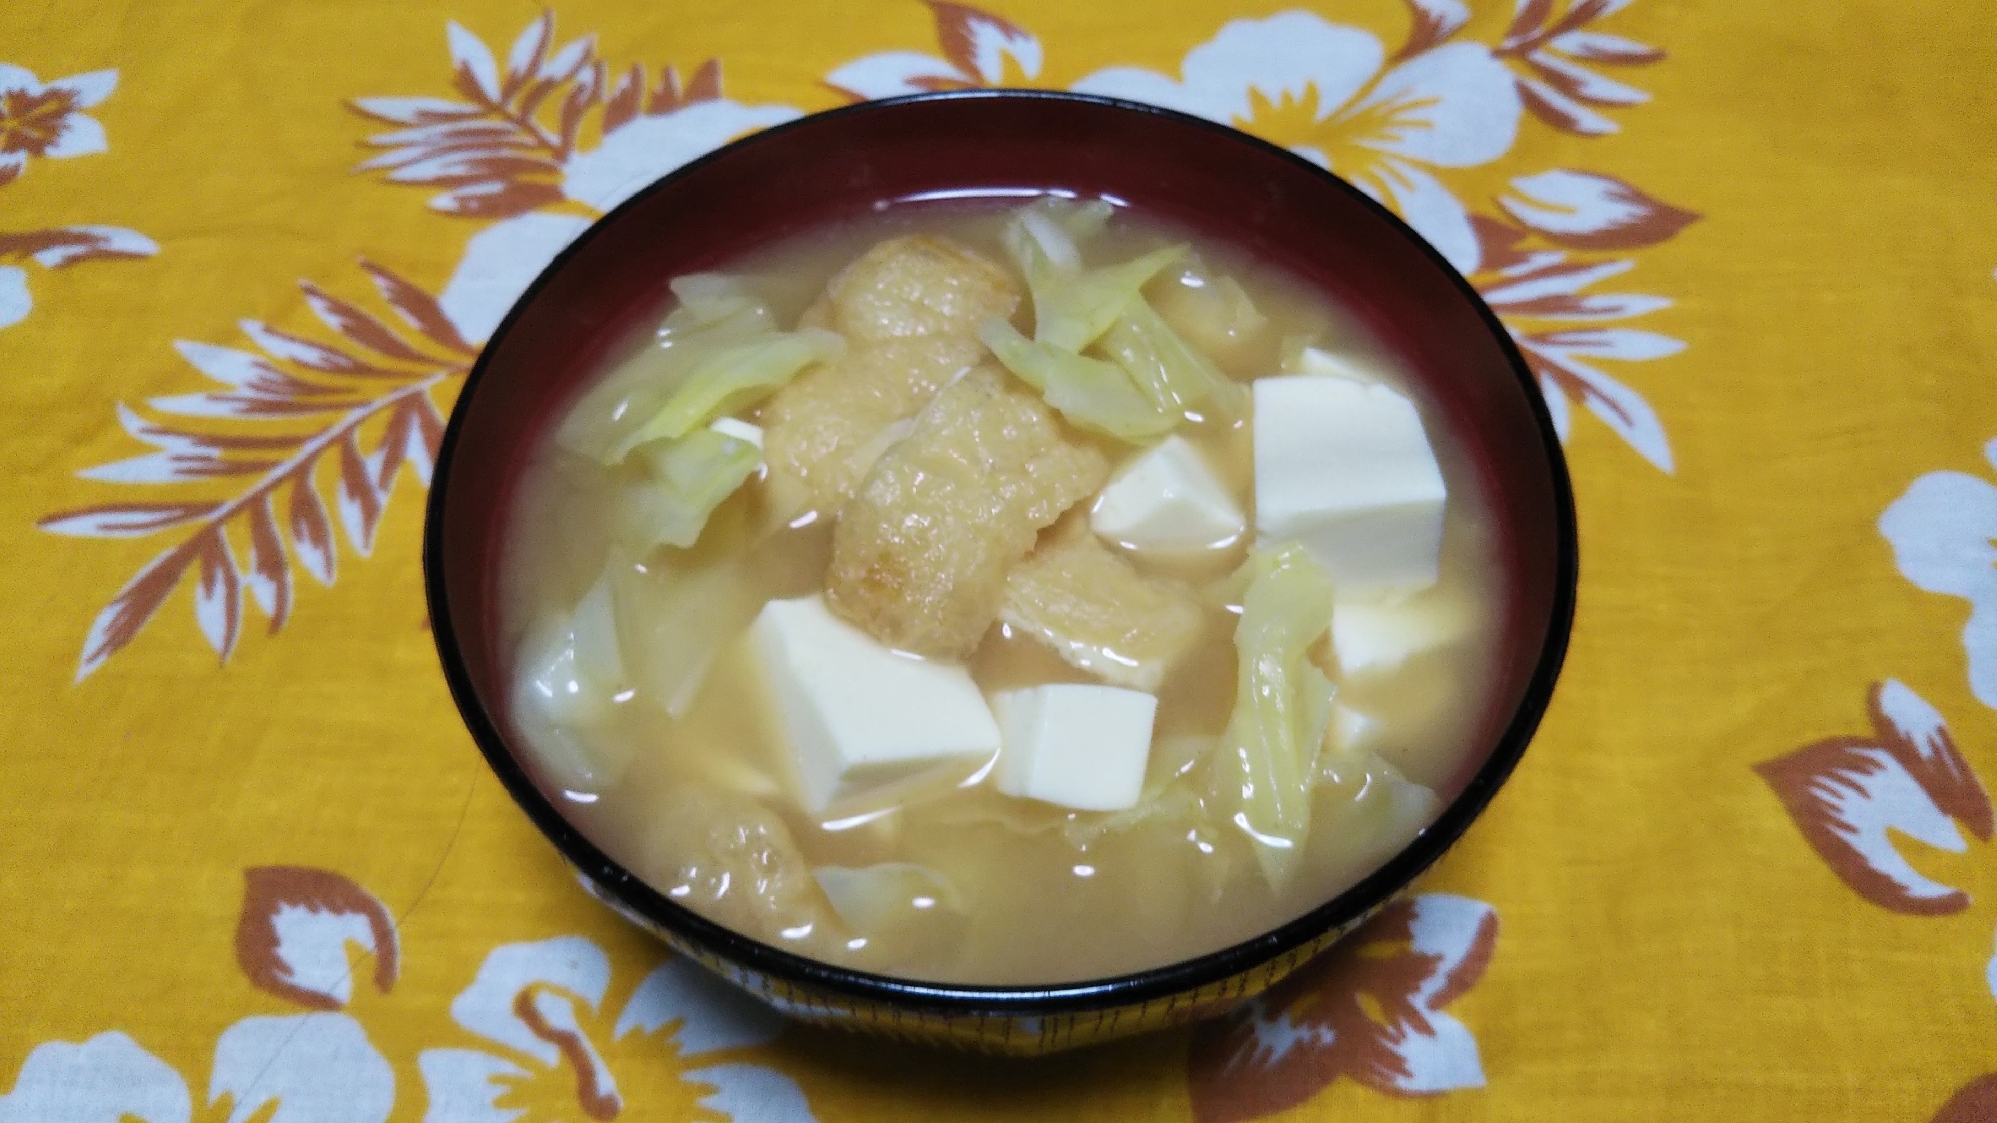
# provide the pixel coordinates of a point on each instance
(103, 1080)
(46, 121)
(547, 145)
(979, 49)
(1861, 800)
(295, 937)
(15, 303)
(1329, 93)
(1397, 125)
(1944, 537)
(679, 1047)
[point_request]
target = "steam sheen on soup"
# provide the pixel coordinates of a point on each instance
(1001, 593)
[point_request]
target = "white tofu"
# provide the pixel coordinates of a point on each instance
(1081, 746)
(1345, 469)
(859, 715)
(1314, 360)
(1167, 499)
(1369, 637)
(740, 430)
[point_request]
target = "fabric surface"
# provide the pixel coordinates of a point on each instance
(251, 867)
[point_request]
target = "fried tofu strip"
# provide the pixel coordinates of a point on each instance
(913, 286)
(1097, 612)
(920, 553)
(823, 432)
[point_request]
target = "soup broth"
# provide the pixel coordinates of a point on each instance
(645, 640)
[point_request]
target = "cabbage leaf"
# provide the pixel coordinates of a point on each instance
(1058, 226)
(1072, 305)
(674, 621)
(1174, 375)
(567, 674)
(730, 379)
(714, 312)
(1090, 393)
(1282, 706)
(685, 481)
(871, 898)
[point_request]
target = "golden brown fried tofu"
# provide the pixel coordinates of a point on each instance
(823, 432)
(730, 859)
(920, 553)
(917, 285)
(1102, 616)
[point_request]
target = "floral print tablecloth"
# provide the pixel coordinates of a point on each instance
(252, 869)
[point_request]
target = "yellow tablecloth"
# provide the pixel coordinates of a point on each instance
(251, 867)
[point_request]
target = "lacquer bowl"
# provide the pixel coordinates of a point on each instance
(1215, 180)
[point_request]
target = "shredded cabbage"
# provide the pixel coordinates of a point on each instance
(570, 665)
(685, 481)
(1366, 810)
(1174, 375)
(1089, 392)
(1073, 306)
(1050, 238)
(1057, 225)
(895, 912)
(708, 298)
(714, 312)
(1210, 310)
(1174, 805)
(870, 899)
(1084, 306)
(675, 620)
(567, 676)
(1282, 706)
(733, 378)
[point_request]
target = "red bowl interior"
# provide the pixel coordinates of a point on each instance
(822, 169)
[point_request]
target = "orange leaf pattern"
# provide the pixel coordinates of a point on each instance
(501, 147)
(1538, 291)
(371, 386)
(1370, 1010)
(1846, 793)
(349, 412)
(1548, 48)
(296, 924)
(1976, 1102)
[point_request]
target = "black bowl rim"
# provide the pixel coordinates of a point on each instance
(1051, 999)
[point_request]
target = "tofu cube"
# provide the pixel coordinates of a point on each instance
(1369, 637)
(1345, 469)
(1079, 746)
(1316, 360)
(858, 715)
(1167, 499)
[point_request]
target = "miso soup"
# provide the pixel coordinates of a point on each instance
(1001, 592)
